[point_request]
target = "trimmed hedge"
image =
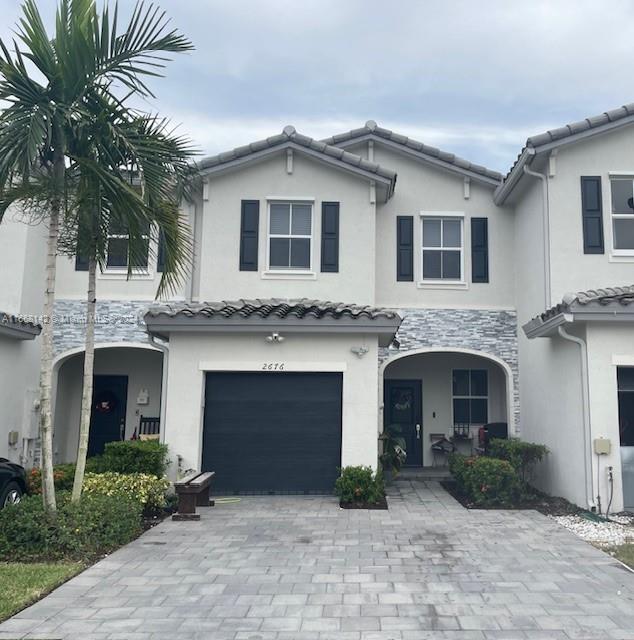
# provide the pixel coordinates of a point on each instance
(360, 484)
(486, 481)
(146, 489)
(523, 456)
(135, 456)
(96, 525)
(63, 475)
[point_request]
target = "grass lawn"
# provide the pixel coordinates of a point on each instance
(625, 553)
(24, 583)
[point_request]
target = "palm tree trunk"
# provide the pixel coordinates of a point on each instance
(86, 396)
(46, 358)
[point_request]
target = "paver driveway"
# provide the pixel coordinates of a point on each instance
(273, 568)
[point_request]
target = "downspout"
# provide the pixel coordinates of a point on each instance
(585, 395)
(546, 230)
(165, 349)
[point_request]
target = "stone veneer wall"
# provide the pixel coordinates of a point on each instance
(493, 332)
(116, 321)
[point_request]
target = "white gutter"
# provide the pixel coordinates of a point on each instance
(546, 230)
(585, 395)
(165, 349)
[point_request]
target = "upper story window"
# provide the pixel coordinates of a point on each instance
(443, 248)
(622, 189)
(290, 235)
(118, 254)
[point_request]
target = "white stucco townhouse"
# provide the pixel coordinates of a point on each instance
(342, 285)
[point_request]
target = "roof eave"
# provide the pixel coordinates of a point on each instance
(163, 325)
(537, 328)
(531, 150)
(19, 332)
(386, 182)
(419, 155)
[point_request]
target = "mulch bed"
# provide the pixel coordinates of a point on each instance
(381, 504)
(538, 501)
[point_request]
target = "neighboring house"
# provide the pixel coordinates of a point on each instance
(328, 299)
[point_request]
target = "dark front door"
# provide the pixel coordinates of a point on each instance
(273, 432)
(403, 409)
(107, 418)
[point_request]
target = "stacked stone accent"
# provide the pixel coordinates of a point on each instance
(490, 332)
(116, 321)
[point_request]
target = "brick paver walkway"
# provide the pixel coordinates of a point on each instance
(286, 568)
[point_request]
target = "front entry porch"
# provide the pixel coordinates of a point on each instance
(444, 396)
(126, 397)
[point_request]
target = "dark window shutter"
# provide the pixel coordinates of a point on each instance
(405, 248)
(160, 254)
(330, 237)
(592, 214)
(479, 249)
(249, 226)
(81, 260)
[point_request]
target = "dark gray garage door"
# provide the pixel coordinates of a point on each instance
(273, 432)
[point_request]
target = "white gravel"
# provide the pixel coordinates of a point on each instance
(602, 534)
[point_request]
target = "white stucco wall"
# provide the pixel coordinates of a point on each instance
(22, 256)
(597, 156)
(435, 371)
(249, 352)
(144, 370)
(609, 345)
(220, 277)
(422, 187)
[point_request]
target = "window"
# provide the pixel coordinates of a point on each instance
(470, 396)
(622, 214)
(625, 379)
(118, 250)
(290, 235)
(442, 248)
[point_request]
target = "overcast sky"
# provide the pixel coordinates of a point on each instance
(472, 77)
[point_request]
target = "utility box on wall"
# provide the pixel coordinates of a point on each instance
(13, 438)
(602, 446)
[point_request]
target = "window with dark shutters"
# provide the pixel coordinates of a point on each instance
(479, 249)
(330, 237)
(405, 248)
(160, 254)
(249, 226)
(592, 214)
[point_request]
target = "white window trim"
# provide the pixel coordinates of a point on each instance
(289, 274)
(488, 396)
(441, 283)
(137, 273)
(619, 255)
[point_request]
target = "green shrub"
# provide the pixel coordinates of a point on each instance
(97, 524)
(63, 475)
(360, 484)
(135, 456)
(146, 489)
(486, 481)
(523, 456)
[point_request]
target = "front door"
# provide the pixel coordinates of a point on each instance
(625, 378)
(107, 418)
(403, 409)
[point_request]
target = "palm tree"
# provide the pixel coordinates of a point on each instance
(48, 84)
(131, 173)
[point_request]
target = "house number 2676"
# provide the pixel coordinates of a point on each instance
(273, 366)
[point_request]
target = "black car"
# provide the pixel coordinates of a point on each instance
(12, 482)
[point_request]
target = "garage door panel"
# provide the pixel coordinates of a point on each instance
(273, 432)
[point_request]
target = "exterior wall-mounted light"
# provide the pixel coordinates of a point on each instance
(275, 337)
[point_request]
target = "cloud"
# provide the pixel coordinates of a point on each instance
(475, 78)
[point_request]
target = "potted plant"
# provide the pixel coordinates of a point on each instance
(393, 454)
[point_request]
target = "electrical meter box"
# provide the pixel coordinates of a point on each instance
(602, 446)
